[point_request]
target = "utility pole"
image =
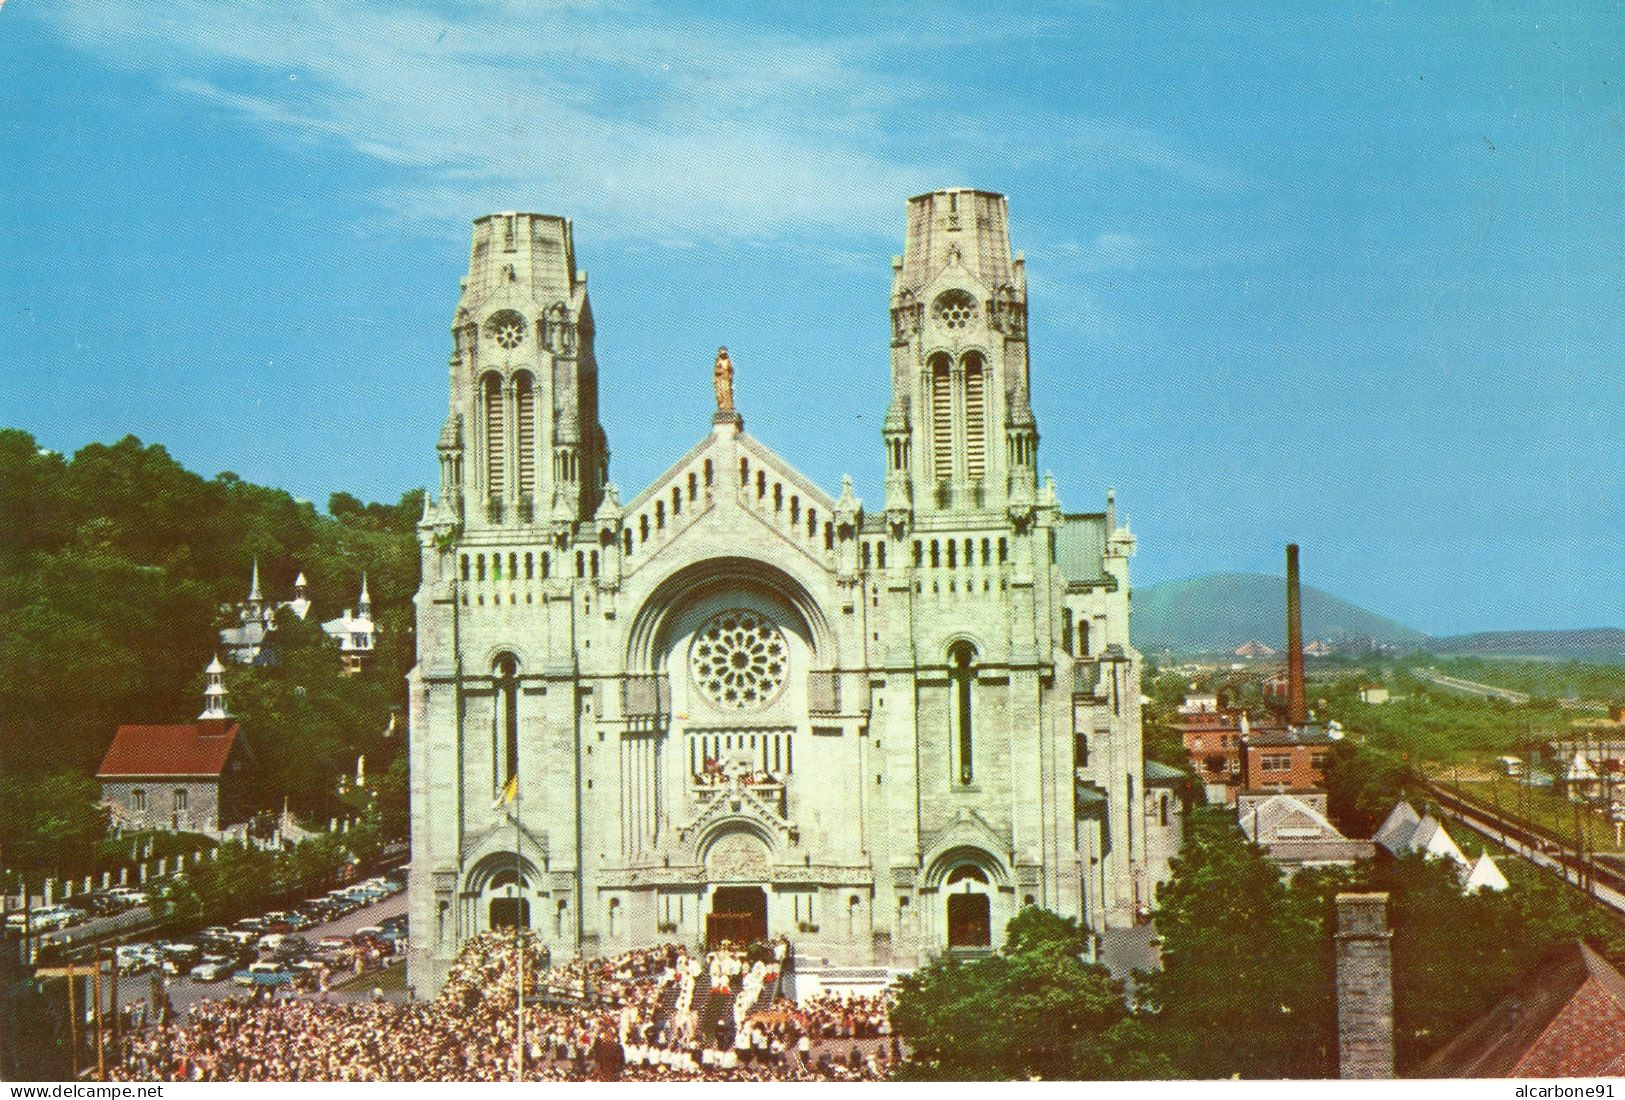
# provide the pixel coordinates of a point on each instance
(101, 1059)
(73, 1020)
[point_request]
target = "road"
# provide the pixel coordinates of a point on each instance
(1472, 687)
(183, 991)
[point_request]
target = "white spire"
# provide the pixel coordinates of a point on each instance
(299, 582)
(254, 584)
(214, 695)
(364, 608)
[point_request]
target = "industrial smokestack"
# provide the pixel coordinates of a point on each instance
(1365, 988)
(1296, 713)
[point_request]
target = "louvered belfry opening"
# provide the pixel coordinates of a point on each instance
(525, 434)
(975, 417)
(495, 453)
(942, 419)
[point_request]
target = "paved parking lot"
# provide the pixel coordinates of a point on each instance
(183, 991)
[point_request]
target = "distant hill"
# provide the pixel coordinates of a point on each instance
(1220, 612)
(1605, 644)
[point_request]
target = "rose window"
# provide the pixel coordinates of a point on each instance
(739, 660)
(955, 309)
(507, 329)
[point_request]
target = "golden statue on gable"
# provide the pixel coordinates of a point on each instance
(723, 377)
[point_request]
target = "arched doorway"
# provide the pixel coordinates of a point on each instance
(508, 908)
(738, 913)
(501, 892)
(507, 913)
(970, 911)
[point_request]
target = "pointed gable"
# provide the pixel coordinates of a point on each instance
(729, 467)
(1396, 831)
(1484, 875)
(1433, 842)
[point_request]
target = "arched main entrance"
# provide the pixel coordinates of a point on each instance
(973, 906)
(509, 913)
(738, 913)
(501, 892)
(507, 907)
(970, 921)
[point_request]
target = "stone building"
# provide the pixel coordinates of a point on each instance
(736, 704)
(191, 776)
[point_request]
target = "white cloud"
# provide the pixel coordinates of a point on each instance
(642, 125)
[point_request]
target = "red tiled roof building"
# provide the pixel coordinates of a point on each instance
(1566, 1018)
(188, 776)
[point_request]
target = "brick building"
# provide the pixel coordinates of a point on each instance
(1284, 759)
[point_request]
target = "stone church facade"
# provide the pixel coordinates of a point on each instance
(736, 705)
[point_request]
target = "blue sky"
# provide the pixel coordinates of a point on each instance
(1352, 275)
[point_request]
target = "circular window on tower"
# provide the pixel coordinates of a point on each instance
(954, 309)
(739, 660)
(507, 328)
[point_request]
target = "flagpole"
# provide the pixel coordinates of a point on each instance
(519, 946)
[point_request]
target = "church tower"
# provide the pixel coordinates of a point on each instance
(522, 445)
(960, 434)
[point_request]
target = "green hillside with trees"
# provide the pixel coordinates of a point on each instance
(117, 568)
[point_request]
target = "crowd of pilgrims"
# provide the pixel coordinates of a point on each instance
(652, 1014)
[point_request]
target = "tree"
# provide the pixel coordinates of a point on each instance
(1034, 1010)
(1244, 957)
(1363, 784)
(50, 824)
(118, 567)
(1455, 954)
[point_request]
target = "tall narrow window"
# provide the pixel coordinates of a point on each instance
(961, 674)
(506, 671)
(975, 416)
(525, 433)
(1083, 636)
(494, 454)
(942, 420)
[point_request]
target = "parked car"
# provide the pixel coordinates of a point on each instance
(48, 918)
(128, 897)
(292, 948)
(298, 922)
(277, 921)
(250, 924)
(137, 958)
(244, 938)
(212, 969)
(262, 974)
(333, 947)
(180, 957)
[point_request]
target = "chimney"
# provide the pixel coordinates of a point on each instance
(1296, 713)
(1365, 992)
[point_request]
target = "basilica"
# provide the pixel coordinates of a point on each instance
(736, 705)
